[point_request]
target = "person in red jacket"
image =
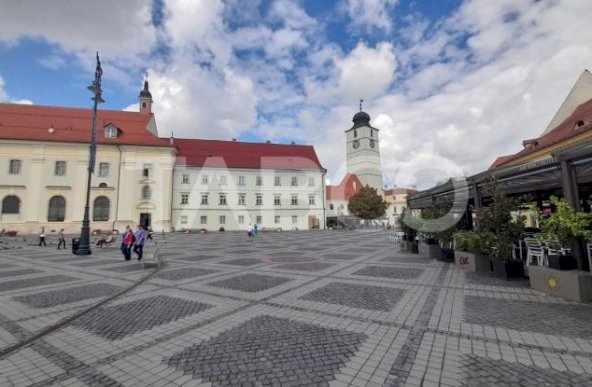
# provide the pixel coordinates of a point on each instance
(126, 244)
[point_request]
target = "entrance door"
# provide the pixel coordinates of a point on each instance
(145, 220)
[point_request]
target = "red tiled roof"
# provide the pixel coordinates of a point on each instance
(560, 133)
(235, 154)
(399, 191)
(32, 122)
(345, 189)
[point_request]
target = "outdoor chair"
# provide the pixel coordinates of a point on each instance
(536, 251)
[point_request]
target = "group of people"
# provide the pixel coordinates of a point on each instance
(252, 232)
(61, 238)
(134, 242)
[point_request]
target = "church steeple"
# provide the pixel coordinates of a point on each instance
(145, 100)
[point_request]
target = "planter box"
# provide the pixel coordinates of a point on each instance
(507, 269)
(562, 262)
(446, 255)
(409, 247)
(429, 251)
(573, 285)
(472, 262)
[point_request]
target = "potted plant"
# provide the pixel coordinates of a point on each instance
(469, 252)
(409, 243)
(499, 230)
(560, 230)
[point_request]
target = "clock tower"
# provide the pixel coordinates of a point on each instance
(363, 152)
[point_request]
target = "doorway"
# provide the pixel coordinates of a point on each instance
(145, 220)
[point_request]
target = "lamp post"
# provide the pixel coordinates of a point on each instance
(95, 88)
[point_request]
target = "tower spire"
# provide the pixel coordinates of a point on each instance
(361, 101)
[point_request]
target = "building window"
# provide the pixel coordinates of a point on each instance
(311, 181)
(294, 200)
(204, 199)
(259, 180)
(241, 199)
(203, 219)
(101, 209)
(294, 181)
(60, 168)
(57, 209)
(147, 170)
(394, 210)
(183, 219)
(103, 169)
(259, 219)
(241, 219)
(311, 200)
(111, 132)
(222, 219)
(14, 167)
(103, 185)
(294, 219)
(223, 180)
(277, 200)
(277, 181)
(259, 199)
(185, 178)
(222, 198)
(11, 205)
(241, 181)
(331, 206)
(204, 179)
(371, 133)
(276, 219)
(146, 192)
(355, 133)
(184, 198)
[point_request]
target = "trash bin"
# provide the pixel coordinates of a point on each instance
(75, 245)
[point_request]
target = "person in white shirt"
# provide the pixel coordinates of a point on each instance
(250, 232)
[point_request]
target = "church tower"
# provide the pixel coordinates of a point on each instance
(363, 151)
(145, 100)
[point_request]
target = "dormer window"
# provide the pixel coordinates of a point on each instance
(579, 124)
(111, 131)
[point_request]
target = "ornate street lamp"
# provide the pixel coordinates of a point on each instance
(95, 88)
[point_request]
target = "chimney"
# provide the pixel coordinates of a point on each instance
(234, 139)
(268, 142)
(172, 139)
(292, 142)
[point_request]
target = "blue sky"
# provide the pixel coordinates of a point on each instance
(452, 84)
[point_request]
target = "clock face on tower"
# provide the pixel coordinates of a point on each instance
(356, 144)
(372, 144)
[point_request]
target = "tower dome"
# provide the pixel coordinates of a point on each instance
(360, 119)
(145, 93)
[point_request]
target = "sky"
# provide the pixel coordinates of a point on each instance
(451, 84)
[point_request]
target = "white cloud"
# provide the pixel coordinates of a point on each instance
(371, 14)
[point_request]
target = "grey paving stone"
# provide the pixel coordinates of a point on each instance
(306, 266)
(345, 257)
(95, 263)
(482, 371)
(195, 258)
(389, 272)
(116, 322)
(490, 280)
(32, 282)
(242, 262)
(250, 282)
(14, 273)
(128, 268)
(6, 265)
(185, 272)
(357, 296)
(521, 315)
(269, 351)
(68, 295)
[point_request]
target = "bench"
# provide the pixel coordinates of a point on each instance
(106, 240)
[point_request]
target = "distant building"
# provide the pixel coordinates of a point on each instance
(338, 195)
(396, 199)
(229, 184)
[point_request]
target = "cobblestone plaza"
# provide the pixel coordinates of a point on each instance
(293, 308)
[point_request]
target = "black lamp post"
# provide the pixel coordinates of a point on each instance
(95, 88)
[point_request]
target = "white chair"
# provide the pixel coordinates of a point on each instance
(535, 250)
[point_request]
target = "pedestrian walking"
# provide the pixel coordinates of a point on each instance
(61, 239)
(149, 233)
(250, 233)
(127, 242)
(255, 229)
(42, 237)
(140, 238)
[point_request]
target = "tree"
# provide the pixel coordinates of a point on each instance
(367, 204)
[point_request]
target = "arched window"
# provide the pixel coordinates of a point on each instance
(11, 205)
(103, 185)
(355, 133)
(57, 209)
(101, 209)
(146, 192)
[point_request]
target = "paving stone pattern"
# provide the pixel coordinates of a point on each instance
(184, 273)
(14, 273)
(389, 272)
(269, 351)
(38, 281)
(242, 262)
(530, 316)
(486, 372)
(251, 283)
(117, 322)
(68, 295)
(357, 296)
(306, 266)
